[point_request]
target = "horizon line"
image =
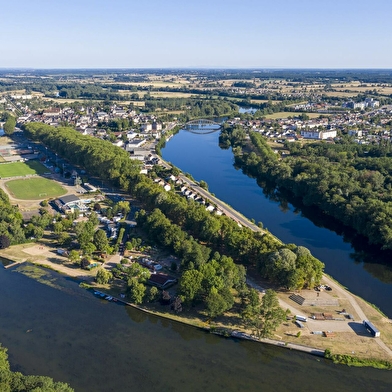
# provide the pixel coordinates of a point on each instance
(195, 68)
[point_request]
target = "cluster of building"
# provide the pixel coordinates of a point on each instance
(359, 125)
(88, 121)
(367, 103)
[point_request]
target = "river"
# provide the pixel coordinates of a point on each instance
(53, 327)
(201, 156)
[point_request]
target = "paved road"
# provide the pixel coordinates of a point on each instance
(227, 210)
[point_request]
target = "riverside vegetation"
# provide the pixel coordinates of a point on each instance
(348, 181)
(17, 382)
(213, 250)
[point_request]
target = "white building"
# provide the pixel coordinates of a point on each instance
(318, 135)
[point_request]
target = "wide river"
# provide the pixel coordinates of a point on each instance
(361, 272)
(53, 327)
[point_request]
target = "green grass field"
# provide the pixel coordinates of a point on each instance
(36, 188)
(15, 169)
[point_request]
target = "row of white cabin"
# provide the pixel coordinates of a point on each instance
(189, 194)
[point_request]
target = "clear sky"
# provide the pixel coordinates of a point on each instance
(196, 33)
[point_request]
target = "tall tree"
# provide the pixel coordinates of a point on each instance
(9, 125)
(271, 314)
(101, 240)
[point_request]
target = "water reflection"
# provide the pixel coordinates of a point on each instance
(99, 346)
(339, 248)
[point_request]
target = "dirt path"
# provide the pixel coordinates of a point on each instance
(357, 308)
(345, 294)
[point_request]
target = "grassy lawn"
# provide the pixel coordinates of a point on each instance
(34, 189)
(21, 169)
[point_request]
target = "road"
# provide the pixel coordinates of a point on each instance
(227, 210)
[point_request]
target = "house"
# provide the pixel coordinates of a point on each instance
(146, 127)
(162, 281)
(89, 187)
(52, 112)
(320, 135)
(156, 126)
(68, 203)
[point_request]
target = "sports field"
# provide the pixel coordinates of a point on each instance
(36, 188)
(15, 169)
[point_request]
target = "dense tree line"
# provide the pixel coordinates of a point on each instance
(100, 158)
(17, 382)
(350, 182)
(194, 108)
(11, 223)
(207, 244)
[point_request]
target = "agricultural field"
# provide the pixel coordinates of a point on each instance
(36, 188)
(291, 114)
(172, 94)
(16, 169)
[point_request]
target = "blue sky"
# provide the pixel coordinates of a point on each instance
(196, 33)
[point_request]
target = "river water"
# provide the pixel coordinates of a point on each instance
(53, 327)
(362, 272)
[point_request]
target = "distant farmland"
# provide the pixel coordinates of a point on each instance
(16, 169)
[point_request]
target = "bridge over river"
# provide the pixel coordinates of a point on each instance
(202, 126)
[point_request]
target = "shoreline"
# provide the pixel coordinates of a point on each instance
(233, 333)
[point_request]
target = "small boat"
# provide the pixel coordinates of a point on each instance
(109, 298)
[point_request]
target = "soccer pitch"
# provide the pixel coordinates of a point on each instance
(35, 188)
(16, 169)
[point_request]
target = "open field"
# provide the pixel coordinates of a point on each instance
(340, 94)
(170, 94)
(263, 101)
(17, 169)
(12, 91)
(159, 94)
(362, 90)
(152, 83)
(70, 100)
(353, 340)
(34, 188)
(291, 114)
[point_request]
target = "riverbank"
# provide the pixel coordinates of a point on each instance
(346, 342)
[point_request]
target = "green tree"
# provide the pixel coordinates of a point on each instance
(136, 290)
(216, 303)
(64, 239)
(140, 273)
(251, 308)
(103, 276)
(17, 382)
(101, 240)
(190, 285)
(5, 241)
(153, 294)
(9, 125)
(74, 256)
(271, 314)
(89, 248)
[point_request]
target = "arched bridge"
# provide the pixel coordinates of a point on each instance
(202, 126)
